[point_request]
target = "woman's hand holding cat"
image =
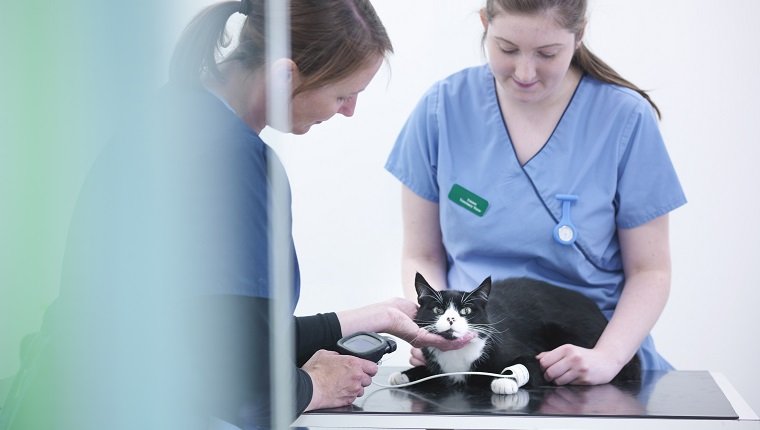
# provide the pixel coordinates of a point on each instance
(337, 379)
(570, 364)
(396, 316)
(417, 358)
(402, 313)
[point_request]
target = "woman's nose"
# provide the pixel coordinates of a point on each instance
(525, 70)
(347, 107)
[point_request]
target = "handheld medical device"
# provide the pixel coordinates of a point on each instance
(366, 345)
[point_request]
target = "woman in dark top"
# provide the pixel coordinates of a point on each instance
(163, 316)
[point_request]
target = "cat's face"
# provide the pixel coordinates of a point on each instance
(451, 313)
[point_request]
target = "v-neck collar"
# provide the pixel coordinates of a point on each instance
(570, 103)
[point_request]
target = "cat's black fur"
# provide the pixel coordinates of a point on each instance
(515, 319)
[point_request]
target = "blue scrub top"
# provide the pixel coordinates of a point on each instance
(606, 150)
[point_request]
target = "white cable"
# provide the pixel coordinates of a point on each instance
(495, 375)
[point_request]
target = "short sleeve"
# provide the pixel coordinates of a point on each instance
(648, 186)
(413, 160)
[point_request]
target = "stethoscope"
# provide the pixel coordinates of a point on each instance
(565, 232)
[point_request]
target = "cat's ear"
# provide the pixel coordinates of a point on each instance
(423, 288)
(483, 290)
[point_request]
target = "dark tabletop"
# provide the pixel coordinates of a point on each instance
(674, 394)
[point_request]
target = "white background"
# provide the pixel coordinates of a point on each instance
(700, 60)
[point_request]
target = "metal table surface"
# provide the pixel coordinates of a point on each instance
(673, 400)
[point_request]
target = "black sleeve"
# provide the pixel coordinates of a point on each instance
(320, 331)
(304, 390)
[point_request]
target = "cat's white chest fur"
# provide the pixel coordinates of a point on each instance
(459, 360)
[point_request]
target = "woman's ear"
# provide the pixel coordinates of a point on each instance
(484, 19)
(579, 37)
(282, 80)
(283, 71)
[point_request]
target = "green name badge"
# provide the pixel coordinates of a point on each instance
(468, 200)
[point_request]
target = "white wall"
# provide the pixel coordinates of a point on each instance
(701, 62)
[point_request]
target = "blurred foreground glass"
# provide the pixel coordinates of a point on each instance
(110, 228)
(281, 269)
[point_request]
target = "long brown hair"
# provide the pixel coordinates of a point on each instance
(570, 15)
(330, 39)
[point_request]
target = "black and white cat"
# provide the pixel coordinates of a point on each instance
(515, 320)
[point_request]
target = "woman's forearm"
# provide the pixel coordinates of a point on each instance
(641, 304)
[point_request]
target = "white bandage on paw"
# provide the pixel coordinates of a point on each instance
(504, 386)
(398, 378)
(518, 372)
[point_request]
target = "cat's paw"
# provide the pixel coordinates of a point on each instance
(504, 386)
(398, 378)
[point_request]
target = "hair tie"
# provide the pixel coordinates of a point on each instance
(245, 7)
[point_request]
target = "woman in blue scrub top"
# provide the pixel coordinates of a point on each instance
(543, 163)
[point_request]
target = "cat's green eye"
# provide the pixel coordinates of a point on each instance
(465, 311)
(437, 311)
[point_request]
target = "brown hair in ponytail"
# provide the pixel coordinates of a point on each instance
(330, 39)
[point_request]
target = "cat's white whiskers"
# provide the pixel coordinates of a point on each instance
(489, 329)
(439, 296)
